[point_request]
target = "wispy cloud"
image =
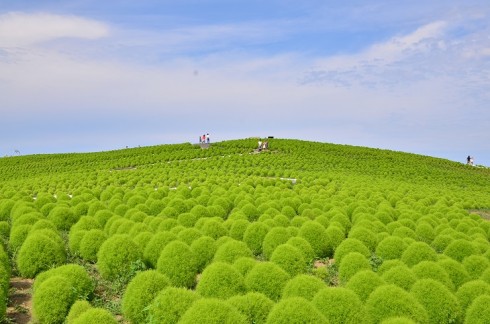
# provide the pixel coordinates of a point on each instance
(21, 29)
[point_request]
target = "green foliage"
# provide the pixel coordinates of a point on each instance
(352, 263)
(401, 276)
(155, 247)
(77, 309)
(391, 248)
(255, 306)
(303, 246)
(440, 303)
(244, 265)
(117, 257)
(478, 312)
(38, 253)
(460, 249)
(179, 264)
(315, 234)
(231, 251)
(254, 236)
(220, 280)
(475, 265)
(139, 294)
(417, 252)
(52, 300)
(275, 237)
(339, 305)
(470, 291)
(391, 301)
(363, 283)
(91, 243)
(204, 249)
(364, 235)
(170, 304)
(76, 275)
(95, 316)
(295, 310)
(211, 311)
(305, 286)
(289, 258)
(432, 270)
(267, 278)
(63, 217)
(350, 245)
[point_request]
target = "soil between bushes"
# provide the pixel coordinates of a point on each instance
(19, 308)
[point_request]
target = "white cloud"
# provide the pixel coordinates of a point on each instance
(21, 29)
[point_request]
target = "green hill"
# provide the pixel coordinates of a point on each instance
(341, 210)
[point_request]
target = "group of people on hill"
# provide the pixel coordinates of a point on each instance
(469, 160)
(204, 138)
(263, 145)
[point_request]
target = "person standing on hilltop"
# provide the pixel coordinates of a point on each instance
(260, 145)
(207, 138)
(468, 159)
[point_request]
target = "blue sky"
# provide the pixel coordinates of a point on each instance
(82, 75)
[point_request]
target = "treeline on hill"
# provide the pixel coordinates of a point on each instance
(302, 232)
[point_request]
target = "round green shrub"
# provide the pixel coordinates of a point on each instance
(117, 256)
(460, 249)
(156, 245)
(170, 304)
(220, 280)
(189, 235)
(350, 245)
(391, 248)
(478, 312)
(75, 274)
(244, 265)
(275, 237)
(18, 235)
(392, 301)
(90, 244)
(52, 300)
(398, 320)
(418, 252)
(470, 291)
(295, 310)
(432, 270)
(139, 294)
(4, 230)
(74, 239)
(289, 258)
(254, 236)
(267, 278)
(238, 228)
(335, 236)
(475, 265)
(387, 265)
(213, 228)
(363, 283)
(211, 311)
(231, 251)
(43, 224)
(179, 264)
(95, 316)
(302, 245)
(440, 303)
(39, 253)
(316, 235)
(456, 271)
(364, 235)
(352, 263)
(63, 217)
(303, 285)
(142, 239)
(441, 242)
(339, 305)
(77, 309)
(204, 249)
(402, 276)
(255, 306)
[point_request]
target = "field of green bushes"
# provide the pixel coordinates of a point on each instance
(305, 232)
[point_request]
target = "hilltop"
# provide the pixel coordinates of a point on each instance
(366, 226)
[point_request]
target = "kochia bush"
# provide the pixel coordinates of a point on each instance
(303, 285)
(52, 300)
(170, 304)
(275, 237)
(289, 258)
(220, 280)
(255, 306)
(116, 256)
(339, 305)
(179, 264)
(254, 236)
(231, 251)
(478, 311)
(390, 248)
(95, 316)
(139, 294)
(363, 283)
(75, 274)
(470, 291)
(350, 245)
(352, 263)
(295, 310)
(418, 252)
(156, 245)
(91, 243)
(267, 278)
(402, 276)
(315, 234)
(211, 311)
(460, 249)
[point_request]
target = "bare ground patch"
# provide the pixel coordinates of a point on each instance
(484, 213)
(19, 308)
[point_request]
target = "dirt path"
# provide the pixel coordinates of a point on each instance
(20, 303)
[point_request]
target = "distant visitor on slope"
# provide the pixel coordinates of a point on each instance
(469, 160)
(207, 138)
(260, 146)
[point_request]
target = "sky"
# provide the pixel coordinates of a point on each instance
(87, 75)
